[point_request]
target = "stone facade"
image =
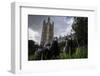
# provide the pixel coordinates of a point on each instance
(47, 31)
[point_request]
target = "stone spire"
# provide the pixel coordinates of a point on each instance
(48, 19)
(44, 22)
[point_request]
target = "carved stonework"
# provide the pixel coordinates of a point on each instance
(47, 32)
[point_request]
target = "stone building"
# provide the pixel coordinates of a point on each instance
(47, 31)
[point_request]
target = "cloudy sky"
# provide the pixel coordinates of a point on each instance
(62, 26)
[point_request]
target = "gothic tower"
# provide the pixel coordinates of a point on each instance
(47, 31)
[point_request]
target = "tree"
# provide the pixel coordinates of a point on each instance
(80, 26)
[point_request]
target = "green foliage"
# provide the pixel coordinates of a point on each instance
(61, 45)
(80, 26)
(81, 53)
(63, 55)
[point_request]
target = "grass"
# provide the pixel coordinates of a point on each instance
(79, 53)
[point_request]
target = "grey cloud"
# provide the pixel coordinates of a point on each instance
(35, 22)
